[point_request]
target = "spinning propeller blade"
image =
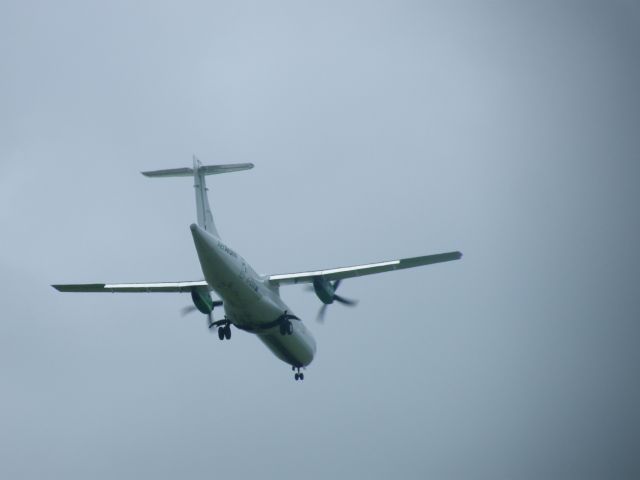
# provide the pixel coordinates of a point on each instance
(321, 313)
(192, 308)
(184, 311)
(334, 297)
(345, 301)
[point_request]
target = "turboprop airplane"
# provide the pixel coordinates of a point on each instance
(251, 301)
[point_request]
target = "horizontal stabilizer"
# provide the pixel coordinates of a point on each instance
(131, 287)
(205, 170)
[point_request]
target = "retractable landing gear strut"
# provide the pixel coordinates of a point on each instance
(224, 328)
(286, 328)
(285, 325)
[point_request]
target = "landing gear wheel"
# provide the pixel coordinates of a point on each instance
(297, 376)
(286, 328)
(221, 333)
(301, 376)
(227, 331)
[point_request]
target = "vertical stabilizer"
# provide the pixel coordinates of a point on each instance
(205, 217)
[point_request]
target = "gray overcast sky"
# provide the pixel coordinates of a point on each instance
(507, 130)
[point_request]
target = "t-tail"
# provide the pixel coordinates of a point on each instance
(199, 171)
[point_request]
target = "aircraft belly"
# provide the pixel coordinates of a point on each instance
(248, 303)
(243, 304)
(251, 314)
(297, 349)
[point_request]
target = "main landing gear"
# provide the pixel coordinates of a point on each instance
(224, 332)
(299, 375)
(286, 328)
(224, 329)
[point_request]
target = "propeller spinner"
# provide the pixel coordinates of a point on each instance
(203, 303)
(326, 292)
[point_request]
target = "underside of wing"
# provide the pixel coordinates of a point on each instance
(131, 287)
(360, 270)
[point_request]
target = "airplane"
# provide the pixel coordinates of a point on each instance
(252, 302)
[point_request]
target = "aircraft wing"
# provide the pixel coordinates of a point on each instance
(131, 287)
(360, 270)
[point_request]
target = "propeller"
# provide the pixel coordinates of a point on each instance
(326, 292)
(184, 311)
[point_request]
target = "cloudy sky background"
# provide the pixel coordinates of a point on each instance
(507, 130)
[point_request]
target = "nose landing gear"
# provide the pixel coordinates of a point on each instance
(299, 375)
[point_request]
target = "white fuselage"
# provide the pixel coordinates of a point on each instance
(250, 302)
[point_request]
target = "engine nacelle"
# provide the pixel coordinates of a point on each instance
(324, 290)
(202, 300)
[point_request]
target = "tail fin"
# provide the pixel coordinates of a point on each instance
(199, 171)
